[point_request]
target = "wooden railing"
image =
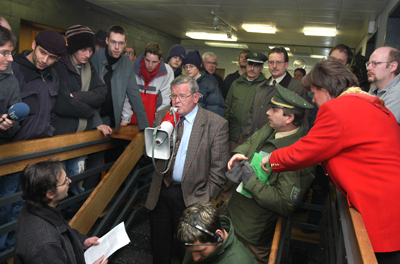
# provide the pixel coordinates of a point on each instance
(106, 189)
(15, 156)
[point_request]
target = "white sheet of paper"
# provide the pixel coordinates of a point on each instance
(109, 243)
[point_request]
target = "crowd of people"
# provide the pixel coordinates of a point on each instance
(258, 144)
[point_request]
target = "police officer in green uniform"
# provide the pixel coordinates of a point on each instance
(263, 198)
(237, 104)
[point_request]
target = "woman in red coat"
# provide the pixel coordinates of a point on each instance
(357, 139)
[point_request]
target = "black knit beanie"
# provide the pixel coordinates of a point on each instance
(193, 57)
(79, 37)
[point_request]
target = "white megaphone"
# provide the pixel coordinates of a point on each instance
(160, 140)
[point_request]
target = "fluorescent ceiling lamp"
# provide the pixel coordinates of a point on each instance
(227, 45)
(317, 56)
(257, 28)
(326, 32)
(210, 36)
(271, 47)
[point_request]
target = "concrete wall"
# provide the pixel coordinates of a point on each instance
(65, 13)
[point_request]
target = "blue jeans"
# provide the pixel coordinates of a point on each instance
(72, 167)
(8, 213)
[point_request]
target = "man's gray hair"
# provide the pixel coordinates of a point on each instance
(209, 54)
(194, 87)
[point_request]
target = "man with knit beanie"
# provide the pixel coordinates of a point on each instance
(153, 77)
(175, 58)
(211, 98)
(81, 90)
(80, 93)
(39, 82)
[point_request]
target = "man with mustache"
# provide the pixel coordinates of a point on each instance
(237, 105)
(278, 61)
(242, 62)
(240, 96)
(383, 71)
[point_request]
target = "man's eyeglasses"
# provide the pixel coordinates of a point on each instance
(114, 43)
(376, 63)
(128, 53)
(210, 63)
(65, 182)
(180, 96)
(7, 53)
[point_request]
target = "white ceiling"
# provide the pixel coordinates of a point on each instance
(176, 17)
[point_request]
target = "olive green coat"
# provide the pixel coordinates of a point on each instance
(231, 251)
(237, 103)
(254, 219)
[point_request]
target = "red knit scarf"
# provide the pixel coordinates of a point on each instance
(147, 75)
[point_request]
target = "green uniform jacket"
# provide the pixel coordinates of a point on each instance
(231, 251)
(237, 103)
(255, 219)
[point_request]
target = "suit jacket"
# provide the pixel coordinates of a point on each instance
(206, 158)
(358, 142)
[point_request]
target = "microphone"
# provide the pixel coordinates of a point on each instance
(17, 112)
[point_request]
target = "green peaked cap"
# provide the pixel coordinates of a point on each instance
(285, 98)
(256, 57)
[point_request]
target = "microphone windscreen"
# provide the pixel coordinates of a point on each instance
(18, 111)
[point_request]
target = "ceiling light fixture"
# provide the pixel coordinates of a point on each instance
(286, 48)
(210, 36)
(317, 56)
(227, 45)
(325, 32)
(258, 28)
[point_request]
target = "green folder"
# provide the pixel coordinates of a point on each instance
(261, 174)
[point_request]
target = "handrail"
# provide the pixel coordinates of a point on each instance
(366, 250)
(16, 150)
(106, 189)
(275, 241)
(356, 241)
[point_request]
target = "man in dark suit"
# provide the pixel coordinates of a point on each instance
(199, 166)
